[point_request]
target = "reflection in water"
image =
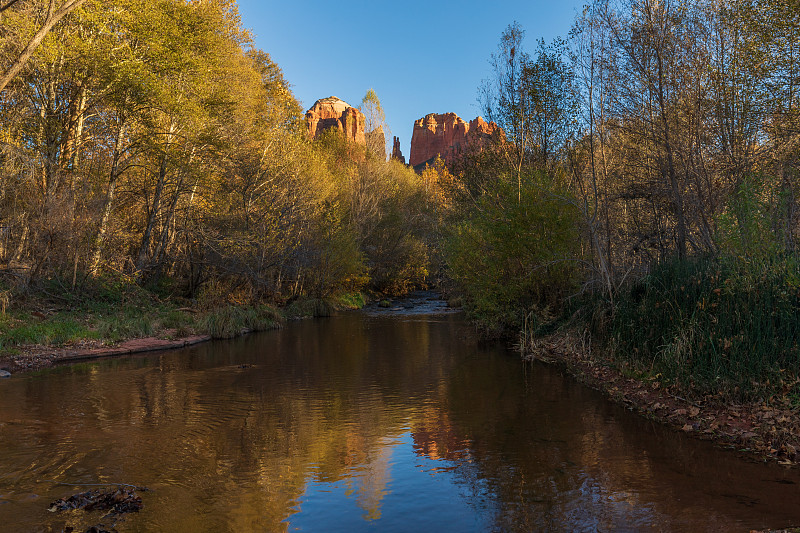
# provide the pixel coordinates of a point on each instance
(356, 423)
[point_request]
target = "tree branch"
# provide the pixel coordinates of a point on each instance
(52, 19)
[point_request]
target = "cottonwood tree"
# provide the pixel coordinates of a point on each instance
(52, 13)
(548, 82)
(375, 127)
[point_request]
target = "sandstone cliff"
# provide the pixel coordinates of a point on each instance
(333, 112)
(447, 135)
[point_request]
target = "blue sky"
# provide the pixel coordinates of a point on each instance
(420, 56)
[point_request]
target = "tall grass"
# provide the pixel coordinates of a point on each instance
(228, 322)
(124, 326)
(310, 307)
(725, 325)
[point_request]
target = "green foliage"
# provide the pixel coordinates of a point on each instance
(744, 229)
(399, 242)
(350, 300)
(515, 258)
(334, 261)
(713, 325)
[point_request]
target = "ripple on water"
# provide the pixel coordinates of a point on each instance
(356, 423)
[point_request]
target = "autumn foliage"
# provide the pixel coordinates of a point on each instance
(152, 142)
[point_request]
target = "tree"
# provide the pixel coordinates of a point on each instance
(552, 111)
(52, 16)
(375, 127)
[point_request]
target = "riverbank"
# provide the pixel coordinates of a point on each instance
(764, 431)
(33, 339)
(198, 327)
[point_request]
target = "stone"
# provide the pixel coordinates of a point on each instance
(447, 135)
(335, 113)
(396, 153)
(376, 142)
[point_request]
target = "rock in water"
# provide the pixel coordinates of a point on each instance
(335, 113)
(447, 135)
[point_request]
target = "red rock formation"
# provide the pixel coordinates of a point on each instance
(396, 153)
(334, 113)
(447, 135)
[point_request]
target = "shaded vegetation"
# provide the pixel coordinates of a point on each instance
(152, 160)
(645, 195)
(714, 324)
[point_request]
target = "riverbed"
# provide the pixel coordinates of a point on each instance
(385, 420)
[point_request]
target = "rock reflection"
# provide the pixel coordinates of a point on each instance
(354, 422)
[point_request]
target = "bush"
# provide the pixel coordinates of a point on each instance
(514, 254)
(351, 300)
(309, 308)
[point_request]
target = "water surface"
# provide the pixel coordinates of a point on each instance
(363, 423)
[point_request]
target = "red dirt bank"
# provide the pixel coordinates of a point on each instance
(38, 357)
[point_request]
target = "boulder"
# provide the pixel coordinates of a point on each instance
(335, 113)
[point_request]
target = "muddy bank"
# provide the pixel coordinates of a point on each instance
(37, 357)
(759, 430)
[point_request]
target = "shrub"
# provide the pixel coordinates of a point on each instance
(228, 322)
(514, 254)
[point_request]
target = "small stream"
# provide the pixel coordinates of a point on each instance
(390, 419)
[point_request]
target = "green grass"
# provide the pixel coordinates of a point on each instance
(124, 326)
(113, 310)
(713, 326)
(350, 300)
(58, 330)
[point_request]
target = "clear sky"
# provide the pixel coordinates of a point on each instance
(420, 56)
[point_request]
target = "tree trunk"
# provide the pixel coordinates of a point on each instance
(112, 186)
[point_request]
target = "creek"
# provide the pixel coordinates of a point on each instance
(390, 420)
